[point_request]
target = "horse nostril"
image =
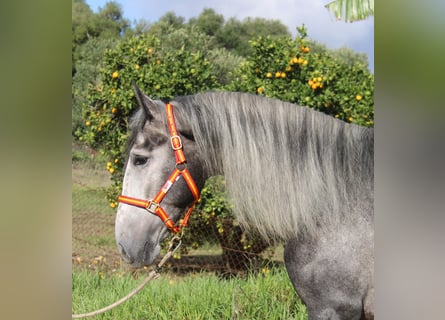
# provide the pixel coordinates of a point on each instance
(125, 255)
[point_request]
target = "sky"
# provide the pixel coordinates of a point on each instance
(322, 26)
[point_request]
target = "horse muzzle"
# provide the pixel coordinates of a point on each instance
(138, 256)
(138, 236)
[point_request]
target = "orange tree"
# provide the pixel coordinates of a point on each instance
(161, 72)
(287, 69)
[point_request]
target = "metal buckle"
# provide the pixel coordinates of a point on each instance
(180, 167)
(152, 207)
(173, 145)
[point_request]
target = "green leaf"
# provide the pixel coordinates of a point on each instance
(351, 10)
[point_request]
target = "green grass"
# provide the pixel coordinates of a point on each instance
(86, 199)
(269, 295)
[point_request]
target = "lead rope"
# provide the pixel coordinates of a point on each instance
(154, 274)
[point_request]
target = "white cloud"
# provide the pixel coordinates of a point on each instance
(322, 26)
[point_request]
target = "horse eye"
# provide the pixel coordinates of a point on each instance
(140, 160)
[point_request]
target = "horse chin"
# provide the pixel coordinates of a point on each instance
(145, 257)
(150, 254)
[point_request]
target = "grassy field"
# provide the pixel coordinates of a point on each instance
(92, 219)
(193, 287)
(199, 296)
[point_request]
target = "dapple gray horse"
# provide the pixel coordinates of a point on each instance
(294, 174)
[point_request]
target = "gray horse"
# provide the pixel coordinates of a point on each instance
(294, 174)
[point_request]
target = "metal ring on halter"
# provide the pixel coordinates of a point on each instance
(176, 238)
(181, 166)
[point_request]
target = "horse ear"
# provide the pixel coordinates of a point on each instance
(145, 103)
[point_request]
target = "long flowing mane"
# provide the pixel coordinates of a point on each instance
(288, 168)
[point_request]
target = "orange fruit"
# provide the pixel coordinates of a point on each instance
(115, 75)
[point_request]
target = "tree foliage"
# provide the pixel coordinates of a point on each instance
(92, 34)
(287, 69)
(86, 25)
(208, 22)
(235, 34)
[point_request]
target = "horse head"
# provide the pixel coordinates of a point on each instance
(151, 161)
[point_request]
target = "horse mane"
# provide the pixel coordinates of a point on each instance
(287, 168)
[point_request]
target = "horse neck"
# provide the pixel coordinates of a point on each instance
(306, 168)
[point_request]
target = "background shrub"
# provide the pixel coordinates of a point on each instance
(287, 69)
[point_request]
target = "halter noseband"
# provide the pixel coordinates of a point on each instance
(153, 206)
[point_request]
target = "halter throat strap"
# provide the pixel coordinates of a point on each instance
(154, 206)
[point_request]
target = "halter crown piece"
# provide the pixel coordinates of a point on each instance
(154, 206)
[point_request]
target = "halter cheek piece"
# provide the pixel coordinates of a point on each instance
(154, 206)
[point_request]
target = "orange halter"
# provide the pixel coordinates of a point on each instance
(154, 206)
